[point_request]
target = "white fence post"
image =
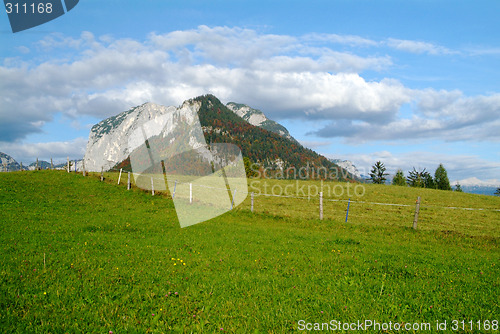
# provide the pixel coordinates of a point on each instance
(321, 206)
(190, 193)
(128, 182)
(120, 176)
(251, 205)
(152, 187)
(175, 186)
(232, 200)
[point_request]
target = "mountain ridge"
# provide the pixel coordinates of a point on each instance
(258, 118)
(107, 146)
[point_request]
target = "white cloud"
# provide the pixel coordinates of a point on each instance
(286, 76)
(350, 40)
(438, 115)
(58, 151)
(314, 144)
(417, 47)
(484, 51)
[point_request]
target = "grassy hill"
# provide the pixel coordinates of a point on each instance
(80, 255)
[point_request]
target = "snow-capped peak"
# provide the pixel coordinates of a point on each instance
(474, 181)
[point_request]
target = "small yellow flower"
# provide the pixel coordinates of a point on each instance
(45, 293)
(184, 264)
(175, 264)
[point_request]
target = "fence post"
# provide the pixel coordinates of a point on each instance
(152, 187)
(120, 176)
(251, 205)
(232, 202)
(51, 164)
(83, 167)
(190, 193)
(128, 182)
(21, 168)
(175, 186)
(321, 205)
(36, 168)
(75, 166)
(68, 165)
(347, 213)
(417, 210)
(102, 173)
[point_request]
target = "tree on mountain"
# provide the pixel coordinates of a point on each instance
(378, 173)
(249, 168)
(497, 192)
(441, 178)
(458, 187)
(399, 179)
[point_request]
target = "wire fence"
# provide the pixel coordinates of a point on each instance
(293, 205)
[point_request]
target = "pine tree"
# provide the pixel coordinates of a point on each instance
(428, 181)
(378, 173)
(417, 178)
(441, 178)
(399, 179)
(458, 188)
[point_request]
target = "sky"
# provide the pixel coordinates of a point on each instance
(409, 83)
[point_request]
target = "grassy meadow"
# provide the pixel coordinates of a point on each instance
(84, 256)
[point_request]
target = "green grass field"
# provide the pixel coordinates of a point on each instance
(80, 255)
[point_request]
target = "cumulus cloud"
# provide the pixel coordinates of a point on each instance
(288, 77)
(449, 116)
(58, 151)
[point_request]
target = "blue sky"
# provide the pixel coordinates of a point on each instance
(410, 83)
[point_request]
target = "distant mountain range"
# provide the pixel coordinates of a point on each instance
(349, 166)
(475, 186)
(7, 163)
(260, 139)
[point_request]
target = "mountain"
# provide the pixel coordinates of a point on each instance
(474, 181)
(473, 185)
(42, 164)
(257, 118)
(7, 163)
(108, 140)
(349, 166)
